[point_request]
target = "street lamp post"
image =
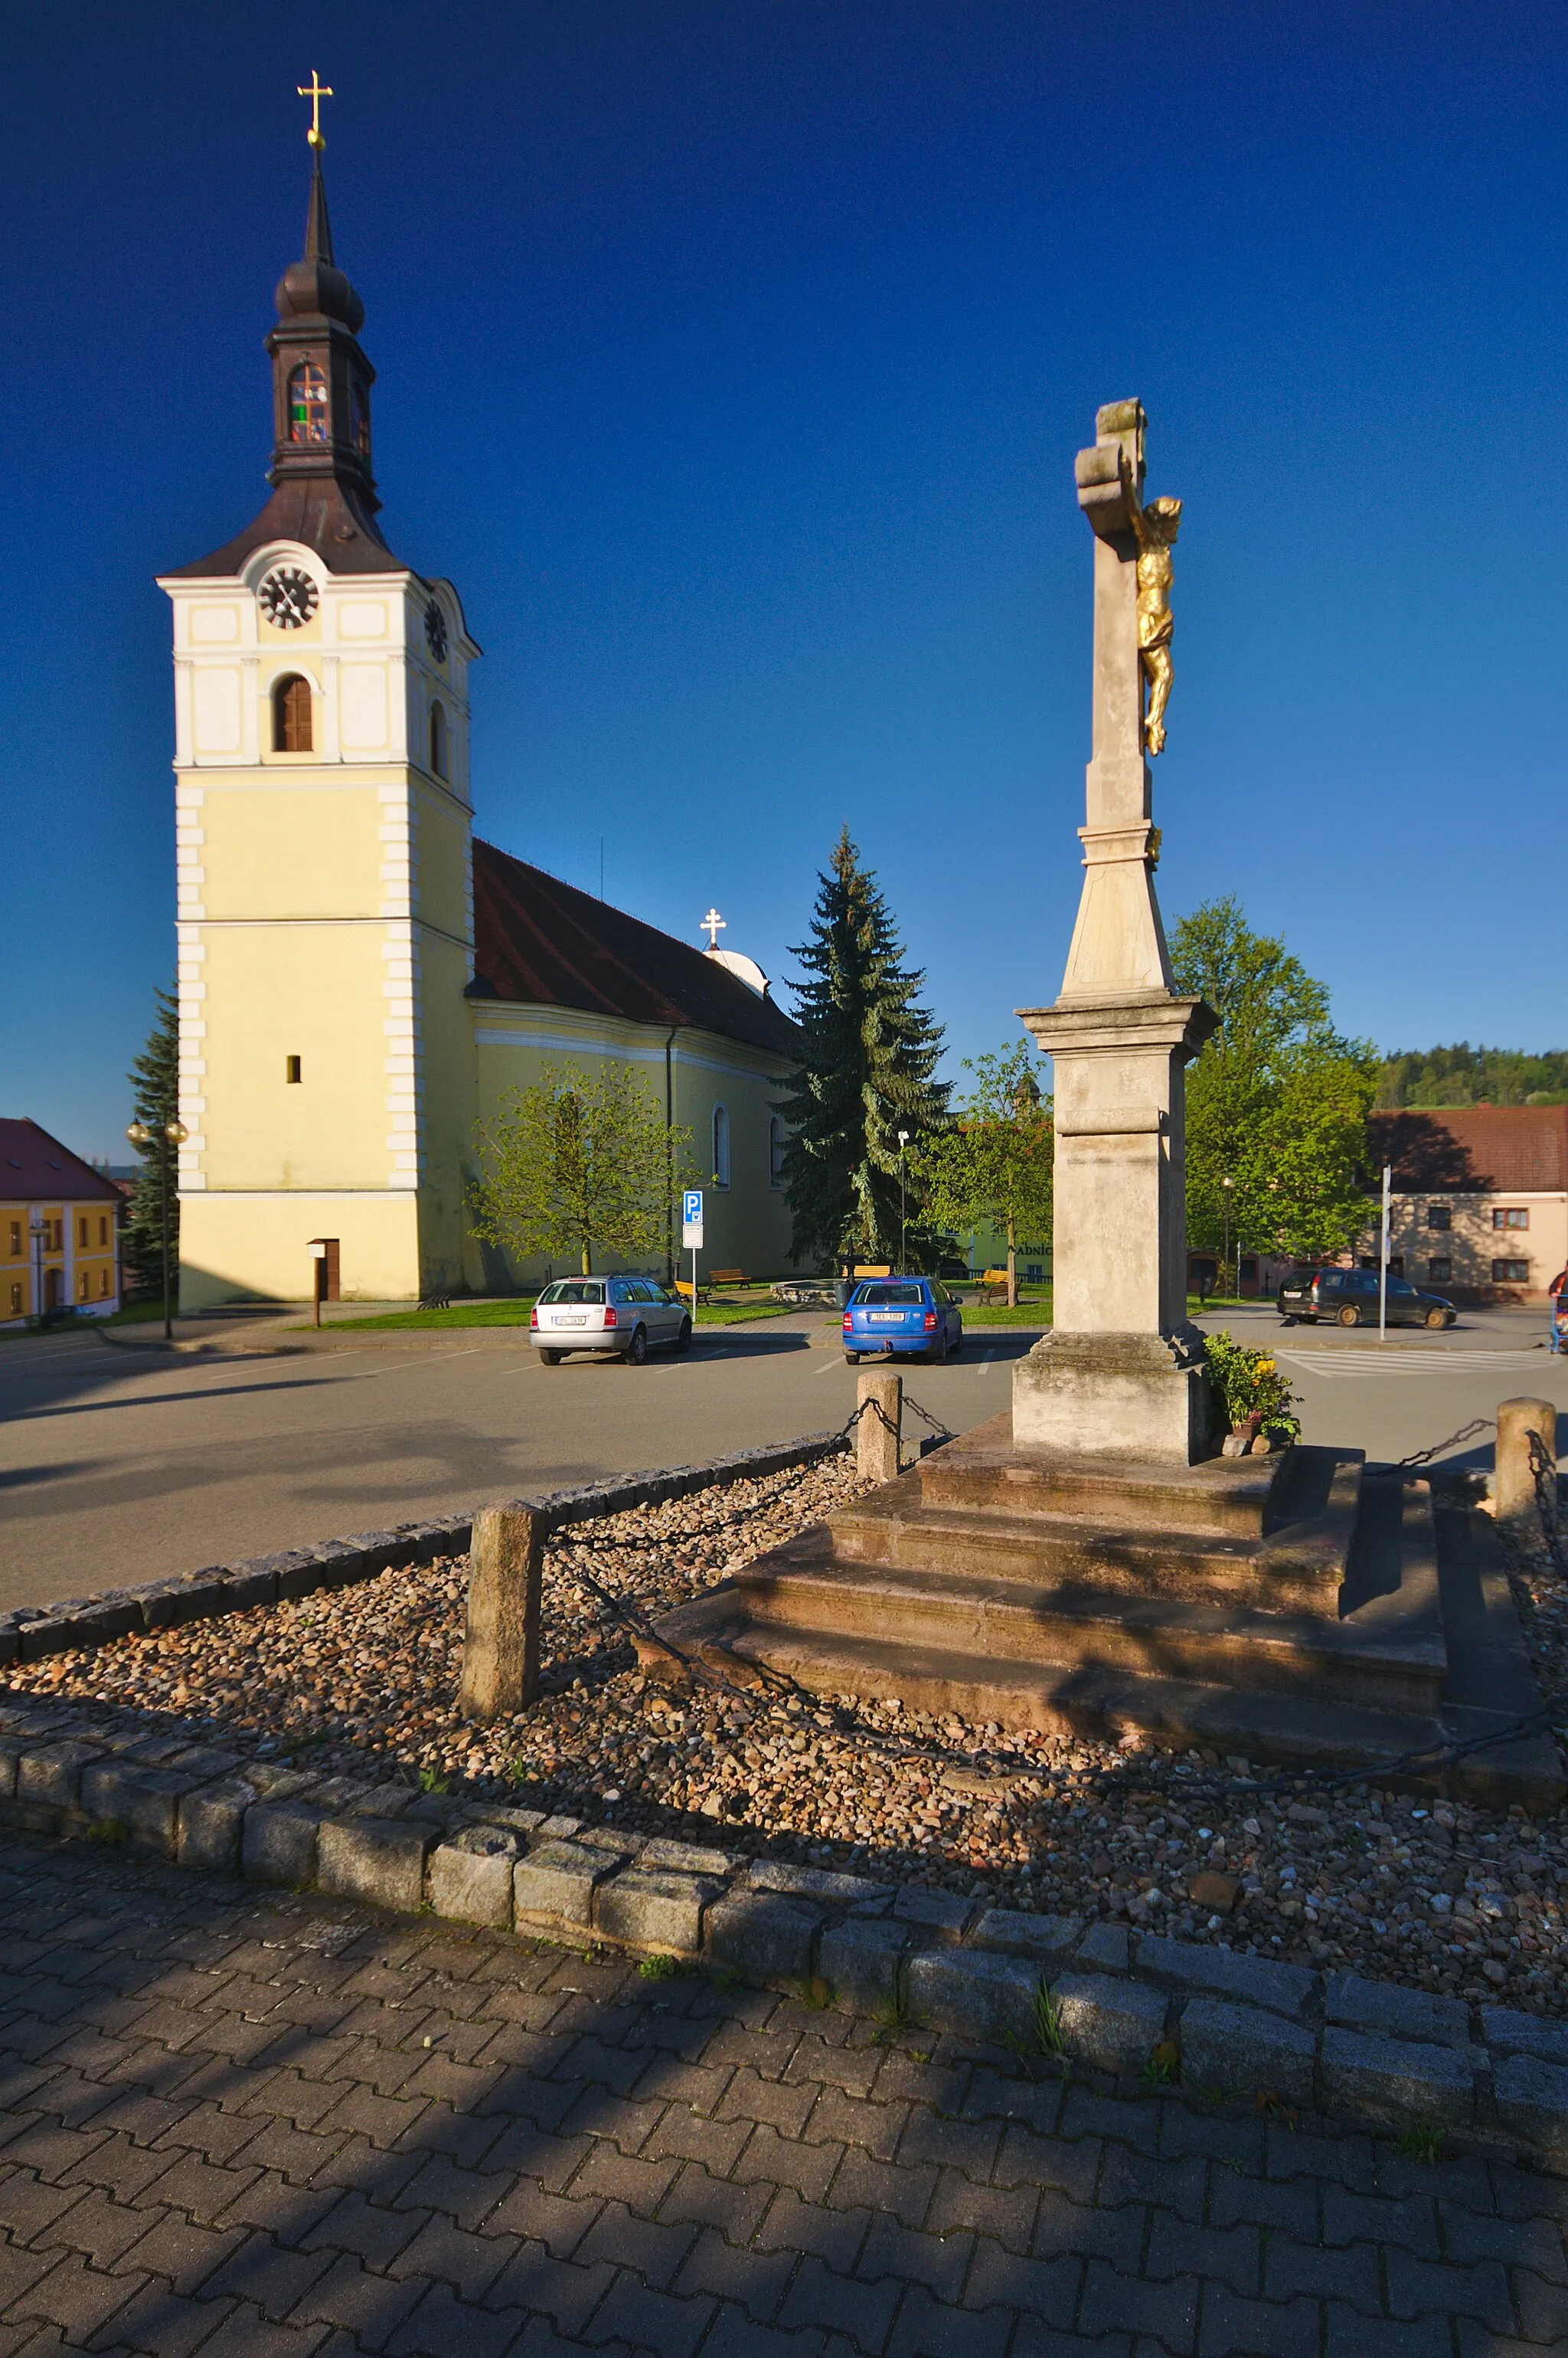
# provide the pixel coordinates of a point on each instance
(1227, 1184)
(902, 1143)
(165, 1134)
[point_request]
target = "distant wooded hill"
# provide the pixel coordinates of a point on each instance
(1463, 1075)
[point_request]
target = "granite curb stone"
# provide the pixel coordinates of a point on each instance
(1243, 2053)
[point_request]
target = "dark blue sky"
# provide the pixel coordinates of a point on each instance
(732, 360)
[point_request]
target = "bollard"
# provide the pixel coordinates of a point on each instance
(1517, 1499)
(880, 1398)
(500, 1650)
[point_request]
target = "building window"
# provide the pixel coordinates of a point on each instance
(103, 1231)
(307, 403)
(15, 1239)
(1511, 1272)
(775, 1152)
(103, 1285)
(1440, 1216)
(81, 1231)
(291, 1068)
(291, 725)
(438, 739)
(82, 1285)
(1502, 1219)
(16, 1302)
(1439, 1270)
(720, 1147)
(1396, 1265)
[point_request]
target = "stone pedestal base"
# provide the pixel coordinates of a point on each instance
(1144, 1395)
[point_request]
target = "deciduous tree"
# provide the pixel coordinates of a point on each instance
(993, 1167)
(581, 1162)
(1277, 1101)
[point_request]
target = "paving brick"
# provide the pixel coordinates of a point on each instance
(1046, 2289)
(782, 2105)
(940, 2262)
(444, 2327)
(702, 2201)
(1347, 2335)
(716, 2143)
(1358, 2218)
(735, 2333)
(838, 2304)
(531, 2281)
(1233, 2328)
(469, 2264)
(903, 2191)
(1112, 2302)
(75, 2297)
(530, 2211)
(1037, 2340)
(654, 2249)
(1543, 2311)
(1176, 2247)
(641, 2185)
(1071, 2165)
(1480, 2342)
(348, 2296)
(927, 2328)
(1005, 2214)
(1178, 2185)
(1416, 2288)
(1535, 2243)
(28, 2206)
(668, 2323)
(1066, 2230)
(184, 2254)
(782, 2161)
(754, 2281)
(834, 2236)
(969, 2146)
(161, 2322)
(1348, 2274)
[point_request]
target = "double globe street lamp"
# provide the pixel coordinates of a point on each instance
(162, 1135)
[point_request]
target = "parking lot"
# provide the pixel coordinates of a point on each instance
(121, 1463)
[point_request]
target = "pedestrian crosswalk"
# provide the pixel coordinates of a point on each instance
(1408, 1359)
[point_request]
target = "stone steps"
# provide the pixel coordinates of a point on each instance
(1239, 1495)
(1298, 1568)
(1395, 1662)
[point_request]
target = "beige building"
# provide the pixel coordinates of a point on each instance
(59, 1229)
(1479, 1204)
(360, 979)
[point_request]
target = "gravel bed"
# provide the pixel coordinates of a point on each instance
(365, 1679)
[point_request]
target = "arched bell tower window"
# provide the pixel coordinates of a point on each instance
(291, 729)
(307, 403)
(438, 739)
(359, 418)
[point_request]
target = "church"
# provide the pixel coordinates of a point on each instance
(360, 980)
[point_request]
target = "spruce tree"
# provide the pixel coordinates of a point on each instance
(869, 1051)
(155, 1088)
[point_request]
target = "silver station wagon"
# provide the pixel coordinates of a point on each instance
(620, 1317)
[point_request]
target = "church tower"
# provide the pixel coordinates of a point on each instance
(324, 860)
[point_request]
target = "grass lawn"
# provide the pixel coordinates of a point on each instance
(515, 1312)
(737, 1313)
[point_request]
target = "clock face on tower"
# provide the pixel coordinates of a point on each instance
(287, 596)
(436, 631)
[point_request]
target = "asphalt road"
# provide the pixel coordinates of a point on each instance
(125, 1464)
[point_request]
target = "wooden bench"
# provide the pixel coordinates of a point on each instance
(705, 1288)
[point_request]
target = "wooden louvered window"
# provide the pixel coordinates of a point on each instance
(291, 724)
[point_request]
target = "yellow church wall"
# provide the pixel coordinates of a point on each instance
(244, 1247)
(441, 838)
(311, 991)
(747, 1224)
(284, 852)
(447, 1103)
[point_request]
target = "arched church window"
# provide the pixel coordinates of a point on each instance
(307, 403)
(720, 1147)
(291, 727)
(775, 1152)
(438, 739)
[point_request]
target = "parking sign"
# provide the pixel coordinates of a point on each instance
(691, 1220)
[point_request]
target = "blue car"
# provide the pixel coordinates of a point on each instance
(889, 1315)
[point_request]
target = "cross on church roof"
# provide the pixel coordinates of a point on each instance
(315, 89)
(715, 925)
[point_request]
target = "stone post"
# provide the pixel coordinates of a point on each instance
(500, 1650)
(880, 1398)
(1123, 1370)
(1517, 1499)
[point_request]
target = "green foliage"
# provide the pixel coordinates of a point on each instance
(1277, 1101)
(660, 1968)
(993, 1167)
(868, 1054)
(155, 1094)
(584, 1158)
(1463, 1075)
(1048, 2021)
(1249, 1383)
(432, 1781)
(1421, 2144)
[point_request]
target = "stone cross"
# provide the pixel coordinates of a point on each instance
(1122, 1369)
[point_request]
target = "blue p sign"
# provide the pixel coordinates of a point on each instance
(691, 1207)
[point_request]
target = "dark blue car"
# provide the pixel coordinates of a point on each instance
(890, 1314)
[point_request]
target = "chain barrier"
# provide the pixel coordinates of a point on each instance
(1548, 1504)
(1465, 1433)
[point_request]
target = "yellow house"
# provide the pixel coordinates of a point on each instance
(59, 1232)
(359, 979)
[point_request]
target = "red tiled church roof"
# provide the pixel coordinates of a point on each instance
(1480, 1149)
(541, 943)
(36, 1167)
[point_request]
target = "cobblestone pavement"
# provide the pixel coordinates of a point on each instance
(278, 2127)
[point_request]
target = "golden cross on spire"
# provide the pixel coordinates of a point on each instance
(316, 90)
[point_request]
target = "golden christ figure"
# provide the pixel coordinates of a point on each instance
(1155, 527)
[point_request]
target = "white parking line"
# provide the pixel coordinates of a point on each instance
(985, 1363)
(1403, 1361)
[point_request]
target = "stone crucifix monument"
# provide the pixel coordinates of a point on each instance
(1121, 1367)
(1087, 1562)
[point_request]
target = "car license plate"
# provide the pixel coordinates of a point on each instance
(886, 1317)
(571, 1318)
